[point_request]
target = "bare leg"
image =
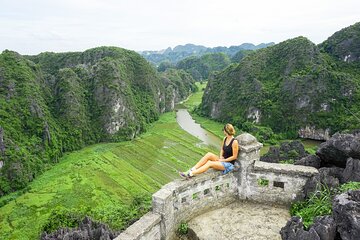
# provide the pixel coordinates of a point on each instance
(209, 156)
(210, 164)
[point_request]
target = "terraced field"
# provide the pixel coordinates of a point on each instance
(102, 180)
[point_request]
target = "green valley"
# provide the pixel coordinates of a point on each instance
(103, 180)
(54, 103)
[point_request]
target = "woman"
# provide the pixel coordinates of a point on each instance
(224, 162)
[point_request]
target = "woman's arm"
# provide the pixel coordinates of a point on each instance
(221, 149)
(235, 150)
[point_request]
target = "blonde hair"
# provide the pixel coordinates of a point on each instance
(229, 129)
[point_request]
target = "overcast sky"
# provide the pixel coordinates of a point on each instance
(34, 26)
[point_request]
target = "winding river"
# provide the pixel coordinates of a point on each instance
(186, 122)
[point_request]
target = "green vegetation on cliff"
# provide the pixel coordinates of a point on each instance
(286, 87)
(201, 67)
(344, 44)
(58, 102)
(104, 181)
(179, 84)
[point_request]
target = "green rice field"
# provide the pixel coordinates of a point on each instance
(102, 179)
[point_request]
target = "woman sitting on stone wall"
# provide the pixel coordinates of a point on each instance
(224, 162)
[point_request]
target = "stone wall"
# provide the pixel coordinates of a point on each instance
(147, 227)
(252, 180)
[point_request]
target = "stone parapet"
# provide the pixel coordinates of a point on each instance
(288, 169)
(181, 200)
(147, 227)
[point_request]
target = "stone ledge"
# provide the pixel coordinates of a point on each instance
(248, 143)
(250, 148)
(285, 168)
(166, 194)
(140, 227)
(168, 189)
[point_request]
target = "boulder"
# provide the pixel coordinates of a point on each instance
(352, 170)
(331, 177)
(298, 147)
(324, 228)
(294, 230)
(288, 150)
(272, 156)
(311, 185)
(311, 160)
(291, 229)
(338, 149)
(346, 213)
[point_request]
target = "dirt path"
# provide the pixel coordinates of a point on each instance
(241, 220)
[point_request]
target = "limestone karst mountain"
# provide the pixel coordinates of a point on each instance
(57, 102)
(294, 87)
(181, 52)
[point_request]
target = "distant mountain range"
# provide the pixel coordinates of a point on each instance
(183, 51)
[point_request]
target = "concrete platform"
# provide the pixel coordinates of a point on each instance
(241, 220)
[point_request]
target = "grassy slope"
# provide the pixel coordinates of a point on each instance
(102, 176)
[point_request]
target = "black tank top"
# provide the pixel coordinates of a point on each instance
(227, 150)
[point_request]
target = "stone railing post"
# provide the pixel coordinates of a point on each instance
(249, 152)
(162, 204)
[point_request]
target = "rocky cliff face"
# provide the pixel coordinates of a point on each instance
(291, 87)
(344, 44)
(178, 86)
(52, 103)
(311, 132)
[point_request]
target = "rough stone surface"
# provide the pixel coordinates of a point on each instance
(338, 149)
(288, 150)
(346, 212)
(46, 134)
(272, 156)
(352, 170)
(181, 200)
(311, 160)
(246, 139)
(324, 228)
(286, 168)
(331, 177)
(87, 230)
(291, 229)
(147, 227)
(2, 144)
(191, 235)
(241, 220)
(311, 132)
(311, 185)
(293, 145)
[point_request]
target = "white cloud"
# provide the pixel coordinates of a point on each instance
(30, 27)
